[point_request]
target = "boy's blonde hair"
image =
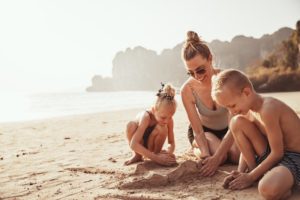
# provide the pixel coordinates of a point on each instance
(165, 96)
(233, 78)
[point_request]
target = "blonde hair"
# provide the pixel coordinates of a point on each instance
(165, 96)
(236, 79)
(194, 46)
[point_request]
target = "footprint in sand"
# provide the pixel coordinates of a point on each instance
(91, 170)
(156, 180)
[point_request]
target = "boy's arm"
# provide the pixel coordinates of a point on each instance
(171, 140)
(224, 147)
(226, 143)
(211, 163)
(242, 164)
(275, 139)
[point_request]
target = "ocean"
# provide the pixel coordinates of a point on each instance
(23, 107)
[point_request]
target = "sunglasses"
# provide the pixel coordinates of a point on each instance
(199, 71)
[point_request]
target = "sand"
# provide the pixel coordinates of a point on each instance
(81, 157)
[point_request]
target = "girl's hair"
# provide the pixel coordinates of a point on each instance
(165, 96)
(194, 46)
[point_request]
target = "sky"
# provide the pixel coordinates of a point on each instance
(59, 45)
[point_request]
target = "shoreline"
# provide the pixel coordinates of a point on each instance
(288, 97)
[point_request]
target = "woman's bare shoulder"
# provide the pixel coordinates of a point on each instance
(186, 86)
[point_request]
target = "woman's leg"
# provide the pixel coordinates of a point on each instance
(276, 184)
(248, 138)
(213, 144)
(130, 130)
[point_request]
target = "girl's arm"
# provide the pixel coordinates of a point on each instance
(189, 105)
(135, 143)
(171, 140)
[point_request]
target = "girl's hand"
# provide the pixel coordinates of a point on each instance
(165, 158)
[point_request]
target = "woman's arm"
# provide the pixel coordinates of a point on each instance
(189, 105)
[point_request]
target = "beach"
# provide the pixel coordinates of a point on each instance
(82, 156)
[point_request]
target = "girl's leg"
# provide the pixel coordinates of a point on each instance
(157, 138)
(248, 138)
(276, 184)
(130, 130)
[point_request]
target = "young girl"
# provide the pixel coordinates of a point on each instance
(147, 134)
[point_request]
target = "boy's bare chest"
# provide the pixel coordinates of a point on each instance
(256, 118)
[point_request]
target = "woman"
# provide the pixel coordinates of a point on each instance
(209, 135)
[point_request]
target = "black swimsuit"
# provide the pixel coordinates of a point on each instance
(219, 133)
(290, 160)
(148, 132)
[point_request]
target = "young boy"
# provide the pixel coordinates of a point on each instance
(267, 132)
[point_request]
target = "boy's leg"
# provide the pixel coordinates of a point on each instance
(157, 138)
(276, 184)
(248, 138)
(234, 154)
(130, 130)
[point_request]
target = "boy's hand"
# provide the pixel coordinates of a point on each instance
(209, 166)
(241, 181)
(230, 178)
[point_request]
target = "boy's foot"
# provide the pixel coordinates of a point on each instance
(134, 159)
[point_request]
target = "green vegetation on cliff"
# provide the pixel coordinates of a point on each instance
(280, 71)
